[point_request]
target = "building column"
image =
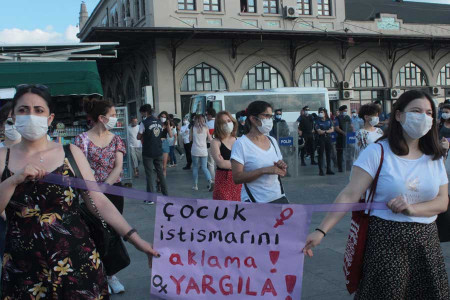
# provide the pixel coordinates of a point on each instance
(163, 79)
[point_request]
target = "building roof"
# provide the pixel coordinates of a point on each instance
(409, 12)
(128, 36)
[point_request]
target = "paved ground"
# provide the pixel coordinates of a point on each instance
(323, 275)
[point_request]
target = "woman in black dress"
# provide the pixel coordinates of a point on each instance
(48, 250)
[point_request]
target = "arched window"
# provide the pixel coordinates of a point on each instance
(318, 75)
(444, 75)
(138, 9)
(131, 92)
(411, 75)
(262, 76)
(366, 75)
(118, 97)
(123, 13)
(128, 11)
(143, 81)
(203, 77)
(108, 94)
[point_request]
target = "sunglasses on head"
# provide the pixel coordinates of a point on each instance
(29, 86)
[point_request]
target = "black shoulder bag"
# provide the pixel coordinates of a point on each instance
(283, 199)
(109, 245)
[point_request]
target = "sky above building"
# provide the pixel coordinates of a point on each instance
(55, 21)
(43, 21)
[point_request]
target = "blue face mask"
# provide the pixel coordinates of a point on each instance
(278, 117)
(242, 119)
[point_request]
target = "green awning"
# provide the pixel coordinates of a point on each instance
(63, 78)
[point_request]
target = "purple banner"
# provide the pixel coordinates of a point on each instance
(228, 250)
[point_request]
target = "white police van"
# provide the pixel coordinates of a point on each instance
(290, 100)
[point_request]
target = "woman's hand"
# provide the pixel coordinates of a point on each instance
(400, 205)
(281, 164)
(275, 170)
(145, 247)
(444, 143)
(29, 173)
(313, 239)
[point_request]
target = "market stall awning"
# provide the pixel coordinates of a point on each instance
(63, 78)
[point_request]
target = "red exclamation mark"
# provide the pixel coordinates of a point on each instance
(291, 280)
(274, 255)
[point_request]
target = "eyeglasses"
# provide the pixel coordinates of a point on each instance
(9, 121)
(28, 86)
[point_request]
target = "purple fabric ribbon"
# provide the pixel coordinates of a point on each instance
(105, 188)
(94, 186)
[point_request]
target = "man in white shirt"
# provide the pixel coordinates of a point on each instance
(211, 117)
(135, 145)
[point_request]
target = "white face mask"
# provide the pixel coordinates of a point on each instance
(321, 115)
(445, 116)
(186, 122)
(306, 112)
(163, 120)
(344, 113)
(228, 128)
(111, 123)
(31, 127)
(374, 121)
(266, 126)
(416, 125)
(11, 133)
(355, 115)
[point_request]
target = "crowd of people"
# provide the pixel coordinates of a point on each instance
(46, 239)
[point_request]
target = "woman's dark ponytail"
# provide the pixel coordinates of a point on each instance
(95, 107)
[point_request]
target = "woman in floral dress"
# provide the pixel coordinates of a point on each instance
(48, 253)
(104, 151)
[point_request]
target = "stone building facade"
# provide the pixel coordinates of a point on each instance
(186, 47)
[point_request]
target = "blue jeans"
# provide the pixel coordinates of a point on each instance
(172, 156)
(203, 164)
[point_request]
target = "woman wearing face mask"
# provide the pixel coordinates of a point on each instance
(369, 133)
(324, 128)
(241, 117)
(402, 241)
(167, 135)
(444, 124)
(12, 136)
(225, 129)
(48, 249)
(184, 132)
(104, 151)
(199, 134)
(256, 159)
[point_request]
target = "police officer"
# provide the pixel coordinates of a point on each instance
(324, 128)
(306, 130)
(280, 127)
(342, 127)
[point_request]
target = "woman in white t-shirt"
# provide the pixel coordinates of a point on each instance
(199, 134)
(369, 133)
(256, 159)
(403, 258)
